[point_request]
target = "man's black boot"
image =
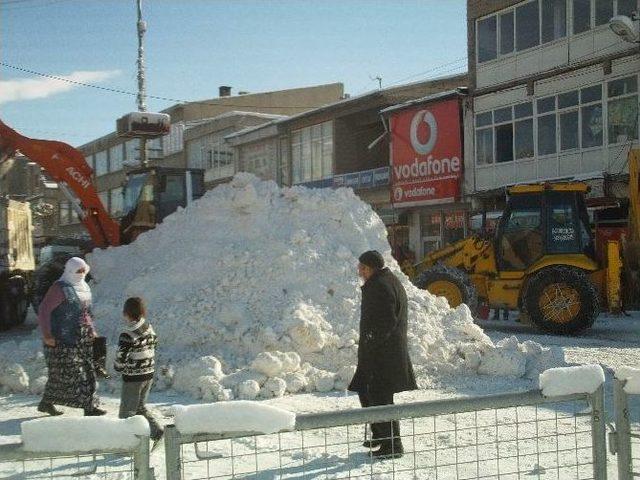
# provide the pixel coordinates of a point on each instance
(46, 407)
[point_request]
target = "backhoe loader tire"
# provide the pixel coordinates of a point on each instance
(562, 300)
(442, 277)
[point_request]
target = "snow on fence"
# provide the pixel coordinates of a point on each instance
(624, 441)
(517, 435)
(86, 447)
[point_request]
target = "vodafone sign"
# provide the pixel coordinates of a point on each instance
(426, 154)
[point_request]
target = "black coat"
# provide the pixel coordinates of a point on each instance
(383, 355)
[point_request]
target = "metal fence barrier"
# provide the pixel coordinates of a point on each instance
(121, 464)
(507, 436)
(625, 438)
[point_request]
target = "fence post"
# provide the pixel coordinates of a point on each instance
(623, 430)
(598, 434)
(172, 453)
(141, 460)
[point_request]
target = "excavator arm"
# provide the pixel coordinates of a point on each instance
(67, 166)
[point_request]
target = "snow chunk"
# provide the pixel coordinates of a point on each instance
(14, 379)
(83, 434)
(632, 377)
(237, 416)
(561, 381)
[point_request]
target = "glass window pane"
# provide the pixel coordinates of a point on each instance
(504, 143)
(524, 139)
(506, 33)
(115, 158)
(545, 105)
(521, 243)
(581, 15)
(627, 7)
(327, 150)
(502, 115)
(102, 165)
(568, 99)
(623, 86)
(487, 39)
(623, 120)
(591, 94)
(483, 119)
(484, 146)
(561, 231)
(569, 130)
(306, 155)
(523, 110)
(591, 125)
(604, 11)
(547, 135)
(527, 26)
(554, 20)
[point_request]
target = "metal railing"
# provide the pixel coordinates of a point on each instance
(122, 464)
(507, 436)
(625, 438)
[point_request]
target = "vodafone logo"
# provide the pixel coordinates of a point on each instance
(427, 117)
(397, 194)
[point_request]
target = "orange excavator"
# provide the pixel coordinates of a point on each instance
(149, 195)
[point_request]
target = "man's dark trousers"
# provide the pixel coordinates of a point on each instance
(381, 431)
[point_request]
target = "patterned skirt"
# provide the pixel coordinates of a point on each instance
(71, 380)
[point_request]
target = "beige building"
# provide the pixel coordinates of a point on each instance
(111, 156)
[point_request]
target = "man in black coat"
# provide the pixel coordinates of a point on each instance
(384, 366)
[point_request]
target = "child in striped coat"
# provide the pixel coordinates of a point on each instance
(135, 360)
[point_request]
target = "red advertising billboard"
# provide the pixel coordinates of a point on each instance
(426, 154)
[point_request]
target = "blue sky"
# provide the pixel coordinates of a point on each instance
(193, 46)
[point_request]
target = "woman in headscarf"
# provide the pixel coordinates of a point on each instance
(67, 329)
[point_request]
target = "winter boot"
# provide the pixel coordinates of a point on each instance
(94, 412)
(46, 407)
(100, 357)
(389, 450)
(372, 443)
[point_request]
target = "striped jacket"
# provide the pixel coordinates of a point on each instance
(136, 353)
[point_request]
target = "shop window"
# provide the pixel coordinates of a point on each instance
(554, 20)
(484, 146)
(569, 130)
(591, 126)
(504, 143)
(487, 39)
(453, 227)
(506, 33)
(527, 26)
(547, 134)
(604, 11)
(622, 107)
(627, 7)
(581, 16)
(524, 139)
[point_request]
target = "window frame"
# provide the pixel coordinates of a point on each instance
(618, 98)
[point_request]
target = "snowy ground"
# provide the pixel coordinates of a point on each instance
(613, 342)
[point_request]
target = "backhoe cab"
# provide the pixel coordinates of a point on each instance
(153, 193)
(540, 261)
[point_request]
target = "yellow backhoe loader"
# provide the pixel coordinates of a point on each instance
(540, 261)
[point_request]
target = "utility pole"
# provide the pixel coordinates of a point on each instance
(142, 89)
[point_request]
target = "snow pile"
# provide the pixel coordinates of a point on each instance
(253, 292)
(22, 367)
(237, 416)
(557, 382)
(631, 376)
(83, 434)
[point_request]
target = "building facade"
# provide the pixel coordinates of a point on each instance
(344, 144)
(194, 140)
(555, 95)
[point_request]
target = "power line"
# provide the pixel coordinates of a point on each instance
(155, 97)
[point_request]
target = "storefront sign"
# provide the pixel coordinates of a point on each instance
(378, 177)
(426, 154)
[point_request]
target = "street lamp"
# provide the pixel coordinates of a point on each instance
(624, 27)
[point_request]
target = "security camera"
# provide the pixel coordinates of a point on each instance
(623, 26)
